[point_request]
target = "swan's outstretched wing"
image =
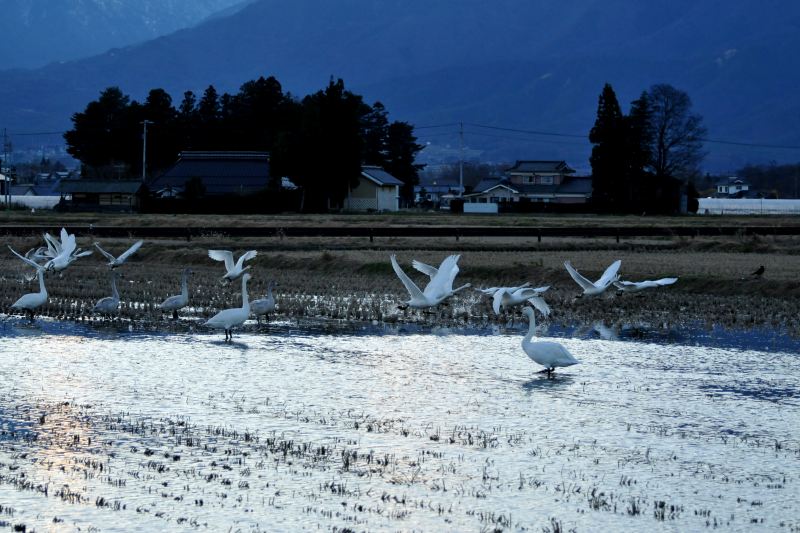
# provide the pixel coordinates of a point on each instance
(80, 253)
(34, 264)
(425, 269)
(53, 245)
(411, 287)
(247, 256)
(67, 242)
(610, 274)
(130, 251)
(105, 254)
(530, 293)
(222, 255)
(625, 285)
(497, 301)
(580, 280)
(665, 281)
(539, 303)
(442, 282)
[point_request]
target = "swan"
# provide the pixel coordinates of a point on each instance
(438, 289)
(114, 262)
(59, 254)
(264, 306)
(511, 296)
(233, 271)
(491, 290)
(228, 318)
(29, 302)
(179, 301)
(110, 304)
(548, 354)
(599, 286)
(636, 286)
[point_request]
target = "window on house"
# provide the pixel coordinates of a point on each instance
(546, 180)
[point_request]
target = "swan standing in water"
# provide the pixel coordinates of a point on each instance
(264, 306)
(114, 262)
(548, 354)
(227, 319)
(599, 286)
(179, 301)
(438, 289)
(636, 286)
(31, 301)
(110, 304)
(233, 271)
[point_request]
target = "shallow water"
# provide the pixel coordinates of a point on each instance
(295, 428)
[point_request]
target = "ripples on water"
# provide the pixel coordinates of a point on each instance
(292, 428)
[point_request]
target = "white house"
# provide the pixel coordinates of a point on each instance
(376, 190)
(732, 186)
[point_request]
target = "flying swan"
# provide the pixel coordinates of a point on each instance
(636, 286)
(232, 271)
(439, 288)
(599, 286)
(114, 262)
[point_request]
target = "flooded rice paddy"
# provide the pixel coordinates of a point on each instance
(293, 428)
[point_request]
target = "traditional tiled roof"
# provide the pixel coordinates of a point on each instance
(222, 173)
(527, 166)
(379, 176)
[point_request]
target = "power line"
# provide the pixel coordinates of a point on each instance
(26, 134)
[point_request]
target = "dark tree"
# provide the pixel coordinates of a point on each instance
(401, 153)
(375, 133)
(609, 166)
(106, 136)
(678, 133)
(163, 139)
(327, 160)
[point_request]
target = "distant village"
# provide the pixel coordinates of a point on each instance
(217, 177)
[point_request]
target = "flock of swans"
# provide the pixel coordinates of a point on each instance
(59, 253)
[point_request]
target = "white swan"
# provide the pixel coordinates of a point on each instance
(29, 302)
(62, 253)
(229, 318)
(511, 296)
(179, 301)
(232, 271)
(264, 306)
(438, 289)
(491, 290)
(636, 286)
(548, 354)
(114, 262)
(599, 286)
(110, 304)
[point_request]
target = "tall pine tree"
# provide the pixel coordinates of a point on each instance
(607, 159)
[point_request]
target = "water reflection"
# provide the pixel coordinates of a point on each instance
(393, 428)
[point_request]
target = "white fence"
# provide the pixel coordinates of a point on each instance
(470, 207)
(747, 206)
(33, 202)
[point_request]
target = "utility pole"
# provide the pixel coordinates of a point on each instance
(461, 160)
(144, 149)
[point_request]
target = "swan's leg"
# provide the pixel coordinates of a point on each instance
(258, 319)
(174, 314)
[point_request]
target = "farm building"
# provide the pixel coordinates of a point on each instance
(376, 190)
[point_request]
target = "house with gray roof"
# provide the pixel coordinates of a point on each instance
(93, 195)
(376, 190)
(534, 181)
(221, 173)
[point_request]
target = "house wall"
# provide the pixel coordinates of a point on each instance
(388, 198)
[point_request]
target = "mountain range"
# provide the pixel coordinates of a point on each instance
(530, 65)
(38, 32)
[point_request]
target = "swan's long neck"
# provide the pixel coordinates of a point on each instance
(114, 292)
(42, 290)
(184, 287)
(269, 290)
(531, 327)
(245, 299)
